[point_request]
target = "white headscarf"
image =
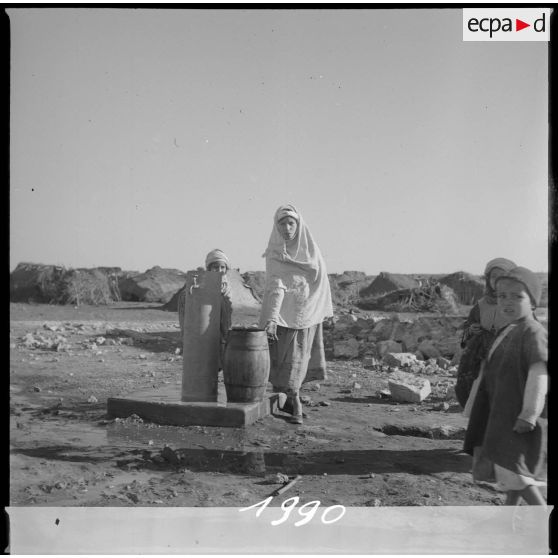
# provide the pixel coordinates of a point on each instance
(216, 256)
(297, 267)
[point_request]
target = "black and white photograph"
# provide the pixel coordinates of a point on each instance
(278, 280)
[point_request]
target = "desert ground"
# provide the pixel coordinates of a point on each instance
(357, 447)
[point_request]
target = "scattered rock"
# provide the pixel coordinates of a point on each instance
(356, 385)
(100, 340)
(92, 399)
(325, 403)
(400, 359)
(305, 399)
(408, 388)
(142, 357)
(428, 349)
(36, 388)
(389, 346)
(443, 363)
(346, 348)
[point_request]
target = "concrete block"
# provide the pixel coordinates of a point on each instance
(163, 406)
(407, 388)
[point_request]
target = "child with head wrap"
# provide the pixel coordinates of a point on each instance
(508, 424)
(297, 299)
(484, 320)
(215, 261)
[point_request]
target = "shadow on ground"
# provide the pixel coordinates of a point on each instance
(260, 463)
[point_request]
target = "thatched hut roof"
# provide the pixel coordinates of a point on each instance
(57, 285)
(31, 282)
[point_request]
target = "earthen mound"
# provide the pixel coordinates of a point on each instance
(388, 282)
(154, 285)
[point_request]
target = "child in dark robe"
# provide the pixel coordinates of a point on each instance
(484, 320)
(508, 422)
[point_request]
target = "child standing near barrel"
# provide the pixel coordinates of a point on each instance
(484, 320)
(508, 424)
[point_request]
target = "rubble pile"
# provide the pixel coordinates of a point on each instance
(352, 336)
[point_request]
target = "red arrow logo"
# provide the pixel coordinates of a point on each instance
(519, 25)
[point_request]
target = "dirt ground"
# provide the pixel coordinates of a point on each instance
(355, 448)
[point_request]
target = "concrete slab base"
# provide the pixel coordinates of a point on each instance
(163, 406)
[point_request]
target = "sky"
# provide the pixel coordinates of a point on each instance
(144, 137)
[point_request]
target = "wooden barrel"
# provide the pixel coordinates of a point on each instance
(246, 365)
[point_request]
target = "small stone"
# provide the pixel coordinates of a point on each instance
(281, 478)
(369, 361)
(427, 348)
(177, 351)
(142, 357)
(400, 359)
(92, 399)
(356, 385)
(324, 403)
(36, 388)
(100, 340)
(305, 399)
(442, 407)
(377, 502)
(443, 363)
(346, 348)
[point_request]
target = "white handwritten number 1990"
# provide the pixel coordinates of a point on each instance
(307, 510)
